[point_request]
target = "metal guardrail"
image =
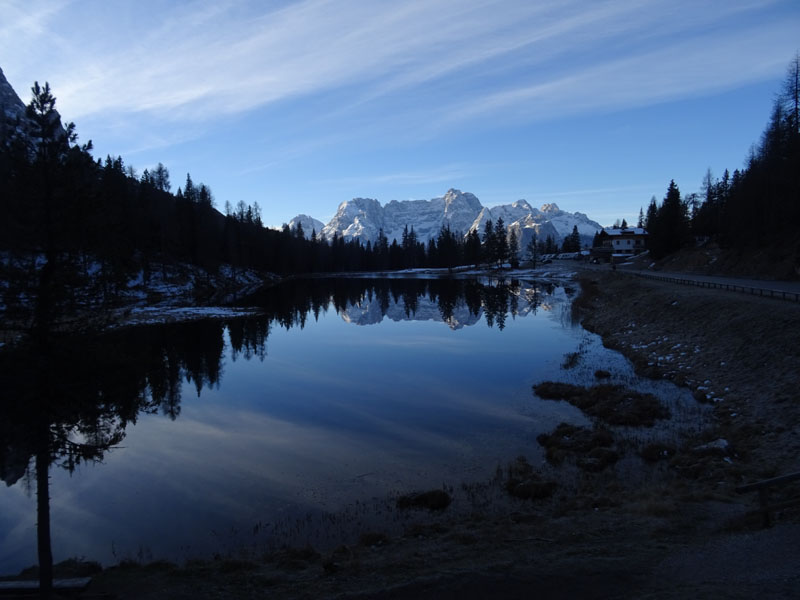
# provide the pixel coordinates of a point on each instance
(763, 487)
(763, 292)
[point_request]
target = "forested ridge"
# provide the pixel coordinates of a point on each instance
(61, 203)
(71, 215)
(755, 209)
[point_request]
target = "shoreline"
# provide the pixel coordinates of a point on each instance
(737, 353)
(611, 540)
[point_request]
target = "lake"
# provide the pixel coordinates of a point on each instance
(188, 439)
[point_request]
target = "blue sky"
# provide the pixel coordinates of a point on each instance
(301, 105)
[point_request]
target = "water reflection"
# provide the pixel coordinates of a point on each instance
(68, 400)
(457, 302)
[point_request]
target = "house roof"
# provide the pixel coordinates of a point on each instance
(629, 231)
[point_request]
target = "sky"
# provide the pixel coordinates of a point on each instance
(299, 106)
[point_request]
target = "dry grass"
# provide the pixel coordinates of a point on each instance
(591, 449)
(525, 483)
(431, 500)
(612, 404)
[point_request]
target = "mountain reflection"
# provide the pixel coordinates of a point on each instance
(456, 302)
(87, 389)
(68, 399)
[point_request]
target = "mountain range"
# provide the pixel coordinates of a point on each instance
(364, 218)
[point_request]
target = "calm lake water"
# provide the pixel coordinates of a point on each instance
(342, 391)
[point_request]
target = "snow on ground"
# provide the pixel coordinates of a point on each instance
(154, 315)
(558, 271)
(164, 293)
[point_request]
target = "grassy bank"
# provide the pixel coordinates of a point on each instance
(736, 352)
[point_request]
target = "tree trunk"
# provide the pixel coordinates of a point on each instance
(43, 517)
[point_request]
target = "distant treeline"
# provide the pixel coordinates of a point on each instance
(59, 202)
(755, 208)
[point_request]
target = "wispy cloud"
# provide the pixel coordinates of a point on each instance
(207, 58)
(416, 67)
(443, 174)
(684, 69)
(26, 19)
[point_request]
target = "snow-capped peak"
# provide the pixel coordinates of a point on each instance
(550, 208)
(309, 225)
(363, 218)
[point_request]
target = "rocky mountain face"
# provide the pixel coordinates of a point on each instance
(363, 218)
(12, 109)
(13, 118)
(309, 225)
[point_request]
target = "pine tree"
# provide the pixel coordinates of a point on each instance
(513, 249)
(189, 191)
(668, 225)
(489, 243)
(204, 196)
(161, 178)
(413, 253)
(532, 250)
(501, 242)
(472, 248)
(790, 95)
(652, 214)
(572, 242)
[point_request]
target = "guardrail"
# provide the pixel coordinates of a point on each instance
(763, 292)
(762, 487)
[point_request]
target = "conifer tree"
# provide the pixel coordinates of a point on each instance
(513, 249)
(472, 248)
(489, 243)
(160, 178)
(501, 242)
(533, 250)
(550, 246)
(189, 191)
(572, 242)
(204, 196)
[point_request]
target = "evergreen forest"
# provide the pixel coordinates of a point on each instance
(755, 209)
(67, 213)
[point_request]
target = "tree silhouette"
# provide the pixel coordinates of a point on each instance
(532, 250)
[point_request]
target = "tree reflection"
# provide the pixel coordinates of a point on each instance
(495, 299)
(68, 399)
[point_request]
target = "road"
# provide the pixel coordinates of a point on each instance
(776, 287)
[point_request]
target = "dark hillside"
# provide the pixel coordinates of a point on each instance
(753, 214)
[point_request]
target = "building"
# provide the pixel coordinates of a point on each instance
(614, 243)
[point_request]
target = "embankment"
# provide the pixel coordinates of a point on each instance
(739, 353)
